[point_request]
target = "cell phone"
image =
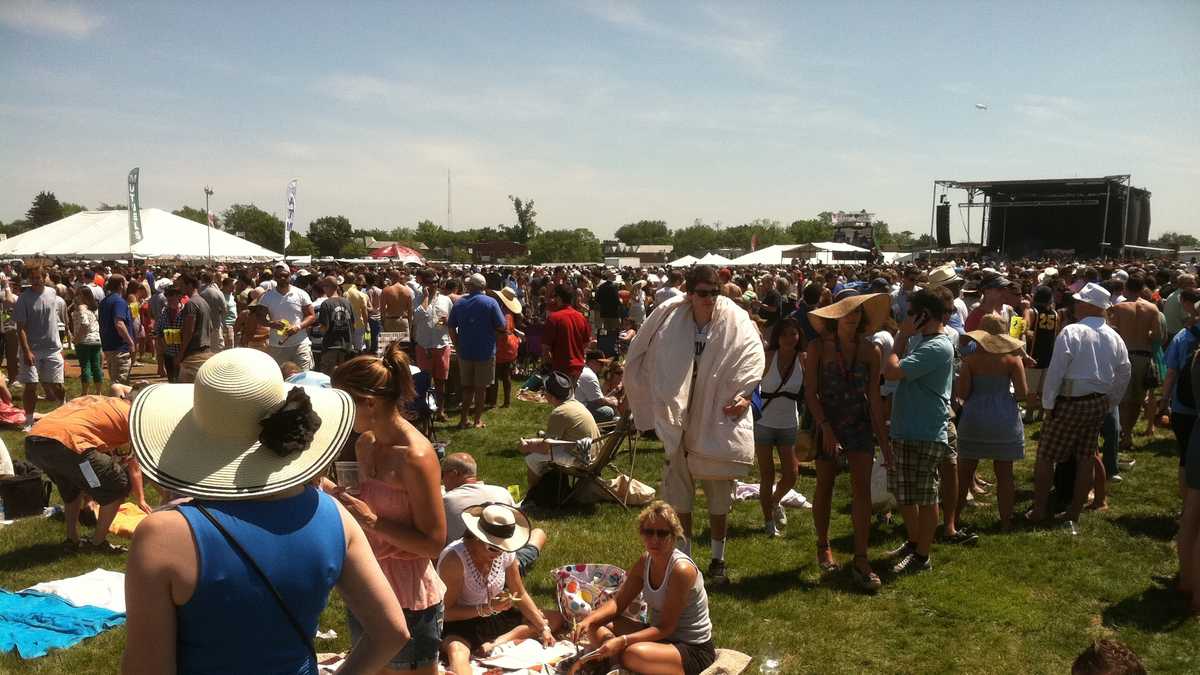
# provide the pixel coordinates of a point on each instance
(920, 319)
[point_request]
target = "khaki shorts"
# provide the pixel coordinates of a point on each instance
(479, 374)
(679, 489)
(120, 365)
(300, 354)
(1136, 391)
(190, 365)
(45, 369)
(398, 324)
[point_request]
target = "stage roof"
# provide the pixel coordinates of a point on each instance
(1042, 186)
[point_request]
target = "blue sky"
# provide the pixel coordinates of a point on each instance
(602, 112)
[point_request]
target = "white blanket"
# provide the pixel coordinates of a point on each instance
(99, 588)
(658, 385)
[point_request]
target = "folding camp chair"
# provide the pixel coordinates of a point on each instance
(603, 451)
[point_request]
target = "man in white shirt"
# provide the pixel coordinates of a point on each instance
(589, 391)
(464, 489)
(290, 312)
(1087, 377)
(670, 288)
(431, 336)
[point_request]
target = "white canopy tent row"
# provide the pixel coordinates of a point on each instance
(685, 261)
(104, 235)
(785, 254)
(713, 259)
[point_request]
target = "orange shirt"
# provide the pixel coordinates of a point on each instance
(88, 422)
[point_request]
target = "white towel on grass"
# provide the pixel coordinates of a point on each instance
(98, 588)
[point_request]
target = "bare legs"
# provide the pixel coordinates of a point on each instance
(769, 492)
(1005, 488)
(860, 504)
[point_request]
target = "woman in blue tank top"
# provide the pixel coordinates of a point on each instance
(235, 580)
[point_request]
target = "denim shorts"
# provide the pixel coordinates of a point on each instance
(425, 631)
(772, 436)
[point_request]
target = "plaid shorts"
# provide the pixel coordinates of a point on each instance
(1073, 428)
(913, 476)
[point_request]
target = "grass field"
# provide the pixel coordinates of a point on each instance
(1025, 602)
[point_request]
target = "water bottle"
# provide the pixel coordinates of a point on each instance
(769, 665)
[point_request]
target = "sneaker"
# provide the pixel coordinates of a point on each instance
(911, 564)
(717, 573)
(1125, 460)
(772, 530)
(1115, 478)
(780, 515)
(961, 537)
(904, 550)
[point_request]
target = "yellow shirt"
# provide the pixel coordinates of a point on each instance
(358, 300)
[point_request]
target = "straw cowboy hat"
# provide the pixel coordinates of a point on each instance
(499, 525)
(942, 276)
(508, 296)
(875, 305)
(240, 431)
(996, 343)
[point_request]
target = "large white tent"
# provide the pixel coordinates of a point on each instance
(104, 235)
(713, 259)
(784, 254)
(768, 255)
(685, 261)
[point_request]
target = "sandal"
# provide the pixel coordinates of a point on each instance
(105, 547)
(70, 545)
(868, 581)
(826, 565)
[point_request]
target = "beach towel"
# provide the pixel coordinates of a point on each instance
(34, 624)
(128, 518)
(99, 588)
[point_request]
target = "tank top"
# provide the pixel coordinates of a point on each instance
(415, 582)
(232, 623)
(693, 626)
(1045, 330)
(508, 344)
(779, 403)
(476, 589)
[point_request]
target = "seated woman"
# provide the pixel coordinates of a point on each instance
(486, 602)
(678, 638)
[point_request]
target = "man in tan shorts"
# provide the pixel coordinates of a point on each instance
(1137, 322)
(397, 310)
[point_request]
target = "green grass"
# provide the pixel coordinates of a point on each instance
(1022, 602)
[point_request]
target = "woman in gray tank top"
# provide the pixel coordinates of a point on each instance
(678, 635)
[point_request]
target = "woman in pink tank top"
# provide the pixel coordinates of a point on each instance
(400, 504)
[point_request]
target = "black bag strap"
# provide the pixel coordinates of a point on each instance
(304, 636)
(767, 398)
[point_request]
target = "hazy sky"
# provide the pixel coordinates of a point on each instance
(602, 112)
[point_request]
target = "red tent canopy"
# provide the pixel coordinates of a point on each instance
(404, 253)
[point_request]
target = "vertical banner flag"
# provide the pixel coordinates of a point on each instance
(291, 214)
(135, 209)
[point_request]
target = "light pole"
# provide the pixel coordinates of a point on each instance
(208, 220)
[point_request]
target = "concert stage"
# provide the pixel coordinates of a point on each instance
(1092, 216)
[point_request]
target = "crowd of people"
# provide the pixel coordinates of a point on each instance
(926, 370)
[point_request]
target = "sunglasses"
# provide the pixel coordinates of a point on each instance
(706, 292)
(493, 549)
(657, 533)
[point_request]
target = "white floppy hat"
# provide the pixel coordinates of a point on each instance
(1094, 294)
(240, 431)
(500, 525)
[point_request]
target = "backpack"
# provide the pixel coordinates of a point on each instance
(340, 323)
(1184, 386)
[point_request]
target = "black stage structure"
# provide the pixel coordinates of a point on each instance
(1090, 216)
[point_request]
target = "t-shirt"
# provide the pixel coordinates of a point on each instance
(336, 317)
(587, 388)
(311, 378)
(1178, 351)
(429, 335)
(39, 314)
(216, 306)
(286, 307)
(86, 423)
(469, 494)
(567, 334)
(666, 293)
(921, 406)
(476, 318)
(358, 300)
(112, 309)
(570, 421)
(230, 310)
(202, 333)
(608, 300)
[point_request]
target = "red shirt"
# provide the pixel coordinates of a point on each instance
(567, 334)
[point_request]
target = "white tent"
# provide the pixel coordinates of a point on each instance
(685, 261)
(713, 259)
(769, 255)
(103, 235)
(823, 252)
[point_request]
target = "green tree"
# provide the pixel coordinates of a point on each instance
(190, 213)
(902, 240)
(300, 245)
(644, 232)
(45, 209)
(15, 227)
(1176, 240)
(924, 241)
(70, 209)
(526, 227)
(330, 233)
(256, 225)
(696, 239)
(578, 245)
(808, 231)
(105, 206)
(352, 249)
(769, 232)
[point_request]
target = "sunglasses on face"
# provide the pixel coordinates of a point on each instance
(706, 292)
(493, 549)
(656, 533)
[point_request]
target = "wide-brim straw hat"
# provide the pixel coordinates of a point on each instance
(202, 439)
(875, 305)
(996, 344)
(942, 276)
(508, 296)
(503, 526)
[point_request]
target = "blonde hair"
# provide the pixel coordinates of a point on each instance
(662, 511)
(387, 377)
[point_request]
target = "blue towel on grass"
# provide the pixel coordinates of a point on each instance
(35, 623)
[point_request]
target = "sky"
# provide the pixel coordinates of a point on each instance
(603, 113)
